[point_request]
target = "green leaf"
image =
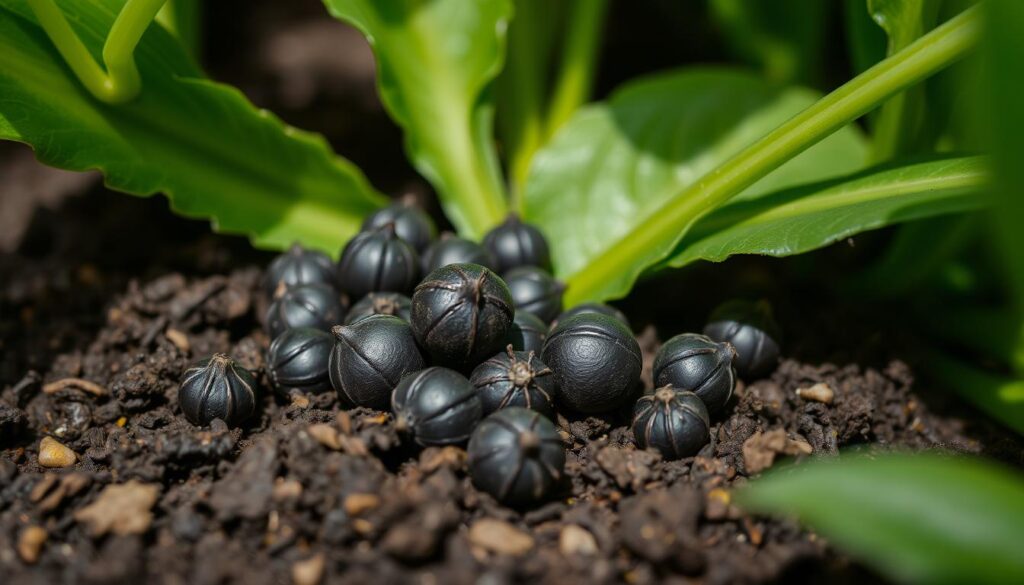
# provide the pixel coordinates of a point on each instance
(616, 163)
(916, 518)
(866, 40)
(435, 62)
(201, 143)
(805, 218)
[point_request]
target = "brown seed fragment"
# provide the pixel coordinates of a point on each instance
(760, 450)
(309, 571)
(121, 509)
(499, 537)
(54, 454)
(357, 504)
(178, 338)
(820, 392)
(575, 540)
(30, 543)
(84, 385)
(326, 435)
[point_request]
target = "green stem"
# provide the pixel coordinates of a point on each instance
(576, 75)
(182, 19)
(1000, 397)
(655, 237)
(120, 82)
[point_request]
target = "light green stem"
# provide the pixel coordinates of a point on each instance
(663, 229)
(576, 75)
(120, 82)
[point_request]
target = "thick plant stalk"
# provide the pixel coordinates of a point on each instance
(576, 75)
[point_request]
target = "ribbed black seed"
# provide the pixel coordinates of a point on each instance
(674, 422)
(298, 266)
(297, 359)
(451, 249)
(515, 378)
(384, 303)
(369, 359)
(217, 388)
(752, 331)
(527, 333)
(437, 406)
(308, 305)
(515, 243)
(535, 291)
(377, 261)
(517, 456)
(596, 361)
(695, 362)
(412, 224)
(594, 308)
(461, 314)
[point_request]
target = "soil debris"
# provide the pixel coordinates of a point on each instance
(121, 509)
(500, 537)
(761, 449)
(820, 392)
(30, 543)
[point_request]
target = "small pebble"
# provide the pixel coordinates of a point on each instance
(357, 504)
(500, 537)
(575, 540)
(54, 454)
(326, 435)
(309, 571)
(30, 543)
(820, 392)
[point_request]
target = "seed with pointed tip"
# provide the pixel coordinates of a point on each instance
(517, 456)
(307, 305)
(517, 243)
(297, 359)
(369, 359)
(752, 331)
(594, 308)
(535, 291)
(412, 224)
(437, 406)
(382, 303)
(674, 422)
(527, 333)
(694, 362)
(298, 266)
(451, 249)
(377, 261)
(515, 378)
(217, 387)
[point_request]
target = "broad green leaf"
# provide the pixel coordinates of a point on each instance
(435, 63)
(804, 218)
(916, 518)
(615, 163)
(199, 142)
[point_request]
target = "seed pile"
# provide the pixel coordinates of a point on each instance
(467, 342)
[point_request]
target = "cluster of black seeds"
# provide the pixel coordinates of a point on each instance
(468, 342)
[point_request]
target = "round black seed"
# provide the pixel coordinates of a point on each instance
(694, 362)
(527, 333)
(369, 359)
(451, 249)
(461, 314)
(297, 359)
(307, 305)
(515, 378)
(517, 456)
(412, 224)
(752, 331)
(596, 361)
(535, 291)
(298, 266)
(674, 422)
(437, 406)
(384, 303)
(377, 261)
(594, 308)
(515, 243)
(217, 388)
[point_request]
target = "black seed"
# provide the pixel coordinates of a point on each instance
(515, 379)
(411, 223)
(217, 388)
(674, 422)
(535, 291)
(515, 243)
(752, 331)
(437, 406)
(298, 266)
(527, 333)
(596, 361)
(594, 308)
(384, 303)
(308, 305)
(297, 359)
(461, 314)
(451, 249)
(517, 456)
(369, 359)
(377, 261)
(694, 362)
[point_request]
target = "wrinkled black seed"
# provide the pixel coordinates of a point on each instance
(412, 224)
(308, 305)
(297, 359)
(516, 243)
(517, 456)
(451, 249)
(377, 261)
(217, 388)
(298, 266)
(672, 421)
(596, 361)
(461, 314)
(753, 333)
(527, 333)
(697, 363)
(594, 308)
(369, 359)
(384, 303)
(515, 378)
(535, 291)
(437, 406)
